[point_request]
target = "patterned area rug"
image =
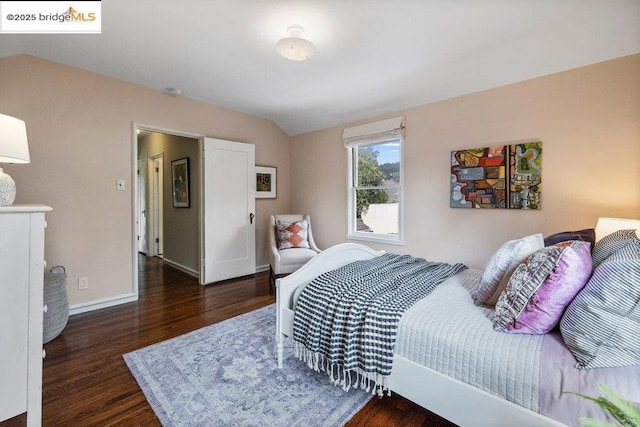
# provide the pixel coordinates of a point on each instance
(227, 374)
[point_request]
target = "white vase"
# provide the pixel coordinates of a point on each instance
(7, 189)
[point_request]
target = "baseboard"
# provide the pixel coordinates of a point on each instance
(123, 299)
(103, 303)
(190, 271)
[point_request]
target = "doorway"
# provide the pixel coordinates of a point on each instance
(180, 227)
(157, 205)
(149, 215)
(165, 230)
(141, 212)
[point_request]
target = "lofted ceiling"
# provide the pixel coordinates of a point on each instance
(373, 56)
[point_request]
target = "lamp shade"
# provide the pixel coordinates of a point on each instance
(606, 226)
(14, 147)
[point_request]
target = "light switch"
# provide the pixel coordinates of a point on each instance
(120, 185)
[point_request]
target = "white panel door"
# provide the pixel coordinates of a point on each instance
(228, 216)
(142, 207)
(157, 236)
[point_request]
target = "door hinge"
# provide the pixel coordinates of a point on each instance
(157, 240)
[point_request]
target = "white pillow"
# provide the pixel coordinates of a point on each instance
(502, 264)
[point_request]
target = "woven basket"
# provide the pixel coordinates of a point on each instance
(55, 298)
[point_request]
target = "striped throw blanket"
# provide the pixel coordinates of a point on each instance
(346, 320)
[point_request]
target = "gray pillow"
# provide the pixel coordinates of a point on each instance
(611, 243)
(601, 326)
(502, 264)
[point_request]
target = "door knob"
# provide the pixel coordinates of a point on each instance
(251, 216)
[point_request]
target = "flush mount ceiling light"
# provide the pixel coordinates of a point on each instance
(295, 47)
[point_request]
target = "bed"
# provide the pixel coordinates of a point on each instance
(479, 387)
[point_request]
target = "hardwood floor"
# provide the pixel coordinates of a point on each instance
(85, 379)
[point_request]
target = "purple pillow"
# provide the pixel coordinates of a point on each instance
(541, 288)
(586, 235)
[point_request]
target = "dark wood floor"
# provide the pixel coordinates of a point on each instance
(85, 379)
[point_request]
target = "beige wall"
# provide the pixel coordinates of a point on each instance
(80, 134)
(588, 120)
(79, 126)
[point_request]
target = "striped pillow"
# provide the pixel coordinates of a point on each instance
(611, 243)
(601, 326)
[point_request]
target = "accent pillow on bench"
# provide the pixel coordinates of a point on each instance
(292, 235)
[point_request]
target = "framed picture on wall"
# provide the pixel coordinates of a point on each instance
(265, 182)
(180, 182)
(497, 177)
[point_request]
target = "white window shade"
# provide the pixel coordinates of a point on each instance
(374, 133)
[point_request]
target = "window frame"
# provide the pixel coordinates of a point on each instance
(352, 233)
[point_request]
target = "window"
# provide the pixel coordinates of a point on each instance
(375, 184)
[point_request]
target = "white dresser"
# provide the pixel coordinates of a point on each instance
(21, 307)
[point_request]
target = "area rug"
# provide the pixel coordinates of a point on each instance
(226, 374)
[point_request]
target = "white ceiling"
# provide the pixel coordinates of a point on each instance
(373, 56)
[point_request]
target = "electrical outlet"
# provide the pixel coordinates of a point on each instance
(83, 283)
(120, 185)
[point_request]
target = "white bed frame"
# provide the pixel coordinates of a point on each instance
(454, 400)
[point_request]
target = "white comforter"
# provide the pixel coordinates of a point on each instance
(451, 335)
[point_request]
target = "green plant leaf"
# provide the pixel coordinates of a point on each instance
(624, 412)
(590, 422)
(629, 414)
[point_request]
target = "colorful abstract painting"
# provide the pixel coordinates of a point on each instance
(497, 177)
